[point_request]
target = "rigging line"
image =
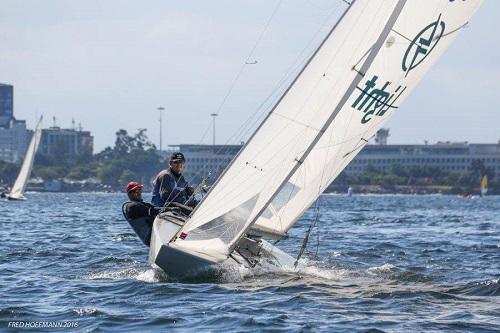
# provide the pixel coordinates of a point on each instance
(362, 133)
(317, 210)
(279, 215)
(238, 75)
(290, 174)
(374, 18)
(246, 182)
(339, 167)
(297, 122)
(308, 233)
(358, 146)
(268, 23)
(206, 132)
(377, 99)
(319, 80)
(323, 171)
(289, 72)
(297, 78)
(233, 84)
(463, 26)
(237, 78)
(276, 104)
(361, 59)
(278, 86)
(401, 35)
(305, 206)
(366, 65)
(295, 64)
(242, 185)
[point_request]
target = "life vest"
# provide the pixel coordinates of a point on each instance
(140, 225)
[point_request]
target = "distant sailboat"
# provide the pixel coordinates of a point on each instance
(17, 192)
(350, 191)
(358, 76)
(484, 185)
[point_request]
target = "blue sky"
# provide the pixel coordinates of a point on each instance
(109, 64)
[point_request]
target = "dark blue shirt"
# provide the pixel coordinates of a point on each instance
(169, 187)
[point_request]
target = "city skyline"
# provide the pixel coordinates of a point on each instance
(111, 65)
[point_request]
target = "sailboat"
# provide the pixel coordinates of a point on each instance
(353, 82)
(17, 192)
(484, 185)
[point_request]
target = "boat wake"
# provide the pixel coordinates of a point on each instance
(382, 281)
(145, 275)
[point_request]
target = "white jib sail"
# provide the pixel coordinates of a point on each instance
(25, 172)
(364, 68)
(277, 148)
(423, 31)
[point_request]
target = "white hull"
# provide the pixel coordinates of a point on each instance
(181, 263)
(15, 198)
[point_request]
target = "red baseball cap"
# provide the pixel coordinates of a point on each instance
(133, 186)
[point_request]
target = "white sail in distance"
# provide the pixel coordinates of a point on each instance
(19, 187)
(359, 65)
(420, 36)
(483, 187)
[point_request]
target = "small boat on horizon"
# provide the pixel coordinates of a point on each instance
(483, 187)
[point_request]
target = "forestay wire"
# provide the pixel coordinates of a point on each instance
(246, 62)
(254, 118)
(308, 233)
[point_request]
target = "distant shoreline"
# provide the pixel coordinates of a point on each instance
(361, 189)
(403, 189)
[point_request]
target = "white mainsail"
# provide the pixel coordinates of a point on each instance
(366, 65)
(17, 191)
(399, 65)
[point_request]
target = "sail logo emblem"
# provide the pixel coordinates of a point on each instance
(423, 44)
(376, 101)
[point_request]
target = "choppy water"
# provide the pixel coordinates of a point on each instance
(384, 263)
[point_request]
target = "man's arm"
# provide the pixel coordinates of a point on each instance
(156, 198)
(153, 210)
(136, 210)
(166, 188)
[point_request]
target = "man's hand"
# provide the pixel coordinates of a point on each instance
(189, 190)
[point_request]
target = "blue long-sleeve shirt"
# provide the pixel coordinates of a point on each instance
(168, 187)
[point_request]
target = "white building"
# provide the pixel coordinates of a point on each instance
(206, 160)
(447, 156)
(60, 142)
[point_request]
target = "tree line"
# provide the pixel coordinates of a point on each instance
(134, 157)
(424, 176)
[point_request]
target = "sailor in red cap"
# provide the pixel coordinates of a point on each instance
(139, 214)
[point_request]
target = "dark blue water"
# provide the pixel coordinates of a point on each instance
(379, 263)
